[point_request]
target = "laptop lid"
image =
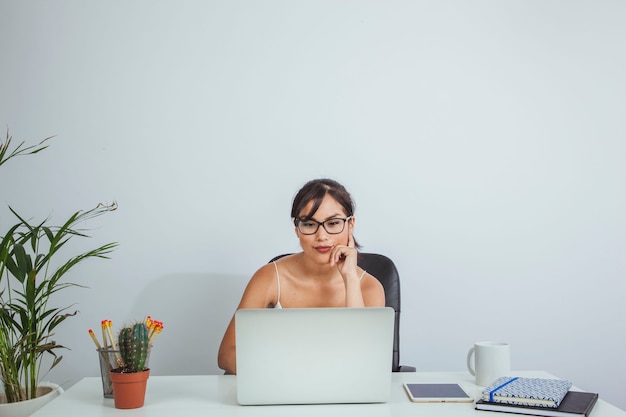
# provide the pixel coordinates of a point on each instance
(314, 355)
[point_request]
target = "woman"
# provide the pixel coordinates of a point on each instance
(324, 274)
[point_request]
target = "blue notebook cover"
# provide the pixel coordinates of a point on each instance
(538, 392)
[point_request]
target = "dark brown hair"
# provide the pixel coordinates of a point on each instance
(315, 191)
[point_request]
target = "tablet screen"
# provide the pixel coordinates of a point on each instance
(432, 392)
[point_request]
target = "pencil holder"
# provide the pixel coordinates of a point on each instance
(108, 361)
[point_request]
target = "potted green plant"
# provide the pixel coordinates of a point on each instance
(32, 271)
(131, 377)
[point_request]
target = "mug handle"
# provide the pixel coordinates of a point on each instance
(469, 361)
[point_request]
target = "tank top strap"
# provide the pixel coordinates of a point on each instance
(278, 285)
(362, 275)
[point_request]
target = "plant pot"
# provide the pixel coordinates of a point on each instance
(129, 388)
(46, 392)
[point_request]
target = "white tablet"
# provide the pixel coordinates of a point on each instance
(437, 392)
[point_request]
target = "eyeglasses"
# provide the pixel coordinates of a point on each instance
(332, 226)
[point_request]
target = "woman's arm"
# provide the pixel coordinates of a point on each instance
(259, 293)
(227, 356)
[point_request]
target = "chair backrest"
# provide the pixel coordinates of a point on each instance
(386, 272)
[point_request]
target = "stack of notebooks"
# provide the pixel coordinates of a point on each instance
(536, 396)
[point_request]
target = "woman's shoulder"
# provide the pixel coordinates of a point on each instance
(261, 289)
(286, 263)
(371, 281)
(373, 290)
(268, 273)
(264, 273)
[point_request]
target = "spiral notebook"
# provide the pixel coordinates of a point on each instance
(314, 356)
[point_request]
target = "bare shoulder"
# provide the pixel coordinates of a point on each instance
(370, 280)
(264, 273)
(287, 266)
(261, 290)
(373, 291)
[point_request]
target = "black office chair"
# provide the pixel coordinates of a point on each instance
(386, 272)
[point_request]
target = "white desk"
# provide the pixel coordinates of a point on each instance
(216, 395)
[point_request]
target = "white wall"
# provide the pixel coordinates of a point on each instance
(484, 143)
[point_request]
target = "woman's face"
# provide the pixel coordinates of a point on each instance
(320, 244)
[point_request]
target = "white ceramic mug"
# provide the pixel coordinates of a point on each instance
(492, 360)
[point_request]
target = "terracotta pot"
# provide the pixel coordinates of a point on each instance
(129, 389)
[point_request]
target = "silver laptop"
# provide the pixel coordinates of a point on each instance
(314, 355)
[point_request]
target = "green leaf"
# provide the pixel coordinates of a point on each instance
(21, 263)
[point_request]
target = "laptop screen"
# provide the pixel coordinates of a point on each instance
(314, 355)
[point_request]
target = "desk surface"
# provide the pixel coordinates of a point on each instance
(216, 395)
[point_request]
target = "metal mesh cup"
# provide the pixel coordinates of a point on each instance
(107, 363)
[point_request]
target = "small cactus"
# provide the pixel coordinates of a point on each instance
(134, 346)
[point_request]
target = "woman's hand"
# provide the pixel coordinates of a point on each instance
(345, 258)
